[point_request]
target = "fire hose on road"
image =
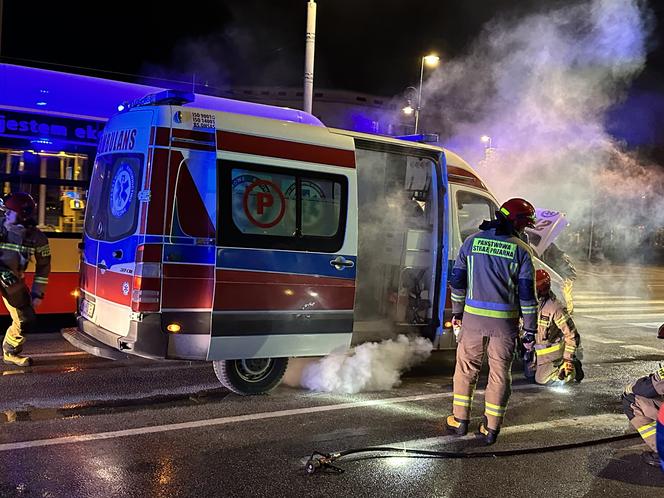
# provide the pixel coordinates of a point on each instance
(324, 461)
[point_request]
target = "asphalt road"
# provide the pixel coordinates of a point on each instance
(77, 426)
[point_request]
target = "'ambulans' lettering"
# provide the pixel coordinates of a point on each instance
(117, 140)
(494, 248)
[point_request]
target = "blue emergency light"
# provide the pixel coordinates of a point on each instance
(420, 137)
(165, 97)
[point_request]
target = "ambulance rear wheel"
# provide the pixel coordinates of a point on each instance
(247, 377)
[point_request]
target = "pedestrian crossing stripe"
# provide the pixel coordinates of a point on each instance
(626, 315)
(627, 309)
(647, 325)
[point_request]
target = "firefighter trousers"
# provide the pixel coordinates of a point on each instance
(23, 319)
(469, 358)
(642, 413)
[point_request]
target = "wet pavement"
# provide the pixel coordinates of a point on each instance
(75, 425)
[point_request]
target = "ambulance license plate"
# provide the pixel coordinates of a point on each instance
(87, 308)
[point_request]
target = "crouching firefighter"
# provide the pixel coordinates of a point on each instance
(20, 241)
(492, 284)
(642, 401)
(556, 343)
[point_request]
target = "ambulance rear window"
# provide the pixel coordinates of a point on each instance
(113, 199)
(282, 208)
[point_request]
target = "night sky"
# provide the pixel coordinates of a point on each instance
(367, 46)
(361, 45)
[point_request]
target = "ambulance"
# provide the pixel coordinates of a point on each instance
(245, 235)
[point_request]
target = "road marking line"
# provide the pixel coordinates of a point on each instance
(630, 300)
(591, 294)
(229, 420)
(605, 298)
(626, 309)
(638, 347)
(603, 340)
(648, 325)
(613, 420)
(617, 317)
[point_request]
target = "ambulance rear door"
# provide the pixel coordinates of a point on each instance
(287, 242)
(111, 225)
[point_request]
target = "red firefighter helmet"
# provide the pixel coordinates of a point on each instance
(519, 212)
(542, 282)
(22, 203)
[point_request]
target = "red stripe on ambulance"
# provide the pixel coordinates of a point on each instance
(246, 290)
(284, 149)
(188, 286)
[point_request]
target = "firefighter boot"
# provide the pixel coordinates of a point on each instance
(16, 359)
(489, 435)
(578, 371)
(651, 458)
(455, 427)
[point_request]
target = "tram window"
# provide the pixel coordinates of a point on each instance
(472, 209)
(57, 181)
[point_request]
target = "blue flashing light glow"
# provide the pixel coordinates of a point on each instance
(121, 107)
(421, 137)
(41, 103)
(79, 95)
(166, 97)
(363, 123)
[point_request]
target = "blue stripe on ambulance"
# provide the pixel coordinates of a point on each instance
(295, 262)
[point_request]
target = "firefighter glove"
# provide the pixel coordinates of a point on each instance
(566, 369)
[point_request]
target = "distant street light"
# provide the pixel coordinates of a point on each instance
(430, 60)
(487, 140)
(409, 109)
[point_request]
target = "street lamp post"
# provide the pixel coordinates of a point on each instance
(430, 60)
(488, 151)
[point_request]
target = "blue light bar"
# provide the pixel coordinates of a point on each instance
(78, 96)
(421, 137)
(166, 97)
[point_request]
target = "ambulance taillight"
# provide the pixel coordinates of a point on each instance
(146, 289)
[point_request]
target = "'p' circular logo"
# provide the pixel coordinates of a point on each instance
(267, 206)
(122, 190)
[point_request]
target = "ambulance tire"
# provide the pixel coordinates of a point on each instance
(248, 377)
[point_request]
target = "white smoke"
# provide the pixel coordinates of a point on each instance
(373, 366)
(541, 86)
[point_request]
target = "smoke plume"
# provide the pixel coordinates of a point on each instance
(541, 86)
(373, 366)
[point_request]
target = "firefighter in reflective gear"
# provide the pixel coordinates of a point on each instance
(21, 241)
(492, 284)
(556, 342)
(641, 402)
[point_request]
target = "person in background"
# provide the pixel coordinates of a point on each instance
(492, 284)
(21, 241)
(562, 264)
(555, 345)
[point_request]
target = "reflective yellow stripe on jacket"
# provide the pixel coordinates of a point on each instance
(648, 430)
(550, 350)
(491, 313)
